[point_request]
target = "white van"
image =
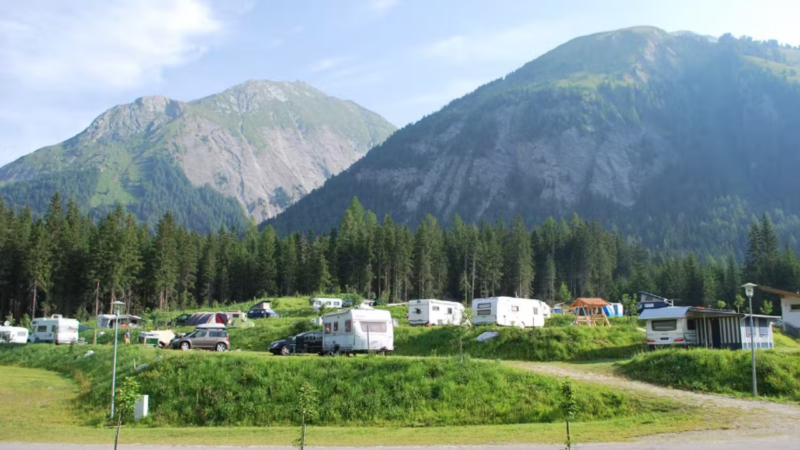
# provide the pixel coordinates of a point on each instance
(55, 329)
(508, 311)
(434, 312)
(125, 321)
(13, 335)
(318, 302)
(357, 331)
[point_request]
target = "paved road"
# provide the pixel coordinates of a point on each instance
(704, 441)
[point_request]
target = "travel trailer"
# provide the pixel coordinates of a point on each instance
(54, 329)
(357, 331)
(160, 339)
(13, 335)
(546, 310)
(434, 312)
(318, 302)
(508, 311)
(125, 321)
(709, 328)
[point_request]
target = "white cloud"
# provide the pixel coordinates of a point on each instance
(328, 63)
(382, 6)
(517, 44)
(96, 44)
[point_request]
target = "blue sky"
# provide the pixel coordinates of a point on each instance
(62, 63)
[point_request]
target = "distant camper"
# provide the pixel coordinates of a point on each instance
(357, 331)
(125, 321)
(318, 302)
(55, 329)
(434, 312)
(546, 308)
(508, 312)
(13, 335)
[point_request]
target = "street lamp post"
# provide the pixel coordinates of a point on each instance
(748, 289)
(117, 308)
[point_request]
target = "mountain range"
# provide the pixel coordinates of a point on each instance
(251, 150)
(676, 138)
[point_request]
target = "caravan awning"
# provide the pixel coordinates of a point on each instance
(670, 312)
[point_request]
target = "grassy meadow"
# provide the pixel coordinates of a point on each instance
(719, 371)
(246, 389)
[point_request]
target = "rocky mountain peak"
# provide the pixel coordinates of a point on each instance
(144, 114)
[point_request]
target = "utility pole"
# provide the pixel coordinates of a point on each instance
(96, 306)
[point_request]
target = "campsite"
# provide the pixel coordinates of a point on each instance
(239, 387)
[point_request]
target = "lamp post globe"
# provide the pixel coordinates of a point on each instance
(117, 306)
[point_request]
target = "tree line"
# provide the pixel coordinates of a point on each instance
(65, 262)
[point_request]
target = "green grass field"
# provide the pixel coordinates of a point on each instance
(48, 410)
(719, 371)
(247, 389)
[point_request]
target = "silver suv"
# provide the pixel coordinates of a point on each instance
(210, 336)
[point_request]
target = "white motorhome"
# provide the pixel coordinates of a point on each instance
(508, 311)
(54, 329)
(125, 321)
(13, 335)
(357, 331)
(318, 302)
(431, 312)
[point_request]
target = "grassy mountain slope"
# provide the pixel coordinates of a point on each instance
(251, 150)
(652, 132)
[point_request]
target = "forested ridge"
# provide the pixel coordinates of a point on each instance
(64, 260)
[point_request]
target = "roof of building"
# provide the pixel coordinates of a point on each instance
(653, 295)
(589, 302)
(678, 312)
(780, 292)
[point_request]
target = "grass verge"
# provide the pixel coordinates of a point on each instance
(42, 412)
(719, 371)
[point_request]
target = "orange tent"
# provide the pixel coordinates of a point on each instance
(589, 311)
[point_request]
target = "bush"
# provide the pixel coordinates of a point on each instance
(720, 371)
(239, 389)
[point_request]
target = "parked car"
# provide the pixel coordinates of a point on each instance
(283, 347)
(209, 336)
(180, 320)
(261, 314)
(308, 342)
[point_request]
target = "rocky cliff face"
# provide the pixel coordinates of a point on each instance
(265, 143)
(627, 125)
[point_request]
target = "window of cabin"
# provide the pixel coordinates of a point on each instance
(41, 329)
(336, 326)
(373, 327)
(691, 325)
(794, 307)
(435, 308)
(514, 308)
(449, 310)
(348, 326)
(484, 309)
(327, 328)
(763, 327)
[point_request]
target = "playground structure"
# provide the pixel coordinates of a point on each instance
(590, 311)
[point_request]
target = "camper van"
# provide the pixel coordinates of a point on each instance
(357, 331)
(55, 329)
(508, 311)
(13, 335)
(319, 302)
(434, 312)
(125, 321)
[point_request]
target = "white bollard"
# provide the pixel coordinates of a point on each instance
(140, 409)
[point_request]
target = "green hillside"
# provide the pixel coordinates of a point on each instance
(671, 138)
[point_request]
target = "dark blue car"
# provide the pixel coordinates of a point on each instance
(261, 314)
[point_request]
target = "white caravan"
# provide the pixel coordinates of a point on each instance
(318, 302)
(13, 335)
(357, 331)
(125, 321)
(434, 312)
(508, 311)
(55, 329)
(546, 310)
